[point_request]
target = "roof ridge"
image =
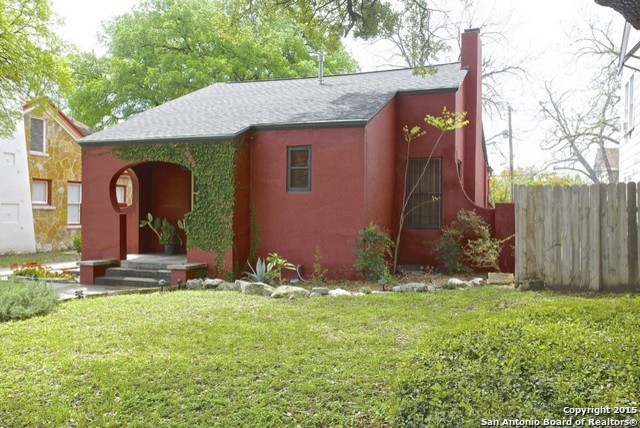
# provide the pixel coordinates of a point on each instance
(357, 73)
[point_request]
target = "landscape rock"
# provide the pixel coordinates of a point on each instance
(229, 286)
(414, 287)
(455, 283)
(323, 291)
(257, 289)
(212, 284)
(339, 292)
(315, 294)
(476, 282)
(286, 291)
(195, 284)
(497, 278)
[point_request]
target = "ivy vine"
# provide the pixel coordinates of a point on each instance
(209, 225)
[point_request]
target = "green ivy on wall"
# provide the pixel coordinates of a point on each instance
(209, 225)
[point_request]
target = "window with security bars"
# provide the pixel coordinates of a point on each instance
(425, 204)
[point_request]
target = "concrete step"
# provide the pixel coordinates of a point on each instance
(144, 265)
(126, 281)
(139, 273)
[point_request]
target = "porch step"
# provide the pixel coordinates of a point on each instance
(145, 265)
(128, 281)
(139, 273)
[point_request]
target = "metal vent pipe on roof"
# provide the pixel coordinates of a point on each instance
(320, 56)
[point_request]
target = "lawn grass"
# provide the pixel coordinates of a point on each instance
(206, 359)
(8, 260)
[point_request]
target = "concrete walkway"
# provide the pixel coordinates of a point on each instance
(68, 291)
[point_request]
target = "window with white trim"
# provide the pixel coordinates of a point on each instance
(38, 141)
(628, 121)
(40, 192)
(74, 200)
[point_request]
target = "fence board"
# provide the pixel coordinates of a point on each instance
(539, 231)
(580, 237)
(595, 219)
(632, 233)
(585, 241)
(556, 198)
(532, 263)
(613, 237)
(521, 233)
(576, 274)
(549, 262)
(623, 235)
(565, 238)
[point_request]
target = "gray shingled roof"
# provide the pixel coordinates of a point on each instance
(224, 110)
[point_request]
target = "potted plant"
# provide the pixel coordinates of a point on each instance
(165, 231)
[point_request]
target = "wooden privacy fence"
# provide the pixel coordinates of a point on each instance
(579, 238)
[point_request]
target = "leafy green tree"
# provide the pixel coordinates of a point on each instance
(164, 49)
(365, 19)
(499, 184)
(30, 61)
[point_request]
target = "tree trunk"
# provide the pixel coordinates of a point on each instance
(630, 9)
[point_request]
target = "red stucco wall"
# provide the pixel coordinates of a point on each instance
(379, 135)
(100, 214)
(329, 217)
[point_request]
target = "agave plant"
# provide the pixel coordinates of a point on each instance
(260, 273)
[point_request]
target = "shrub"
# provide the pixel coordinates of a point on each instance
(77, 244)
(520, 367)
(467, 244)
(373, 248)
(21, 301)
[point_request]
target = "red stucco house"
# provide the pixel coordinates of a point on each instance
(320, 163)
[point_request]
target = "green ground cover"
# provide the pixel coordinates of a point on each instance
(186, 359)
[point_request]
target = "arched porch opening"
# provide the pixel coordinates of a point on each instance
(162, 189)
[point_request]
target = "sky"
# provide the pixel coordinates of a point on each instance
(537, 29)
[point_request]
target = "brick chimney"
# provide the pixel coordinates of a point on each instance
(475, 176)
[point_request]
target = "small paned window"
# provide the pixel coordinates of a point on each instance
(299, 169)
(40, 194)
(74, 200)
(425, 204)
(38, 136)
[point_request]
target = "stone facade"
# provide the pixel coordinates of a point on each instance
(59, 165)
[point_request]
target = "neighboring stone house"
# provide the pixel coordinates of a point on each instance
(41, 189)
(318, 163)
